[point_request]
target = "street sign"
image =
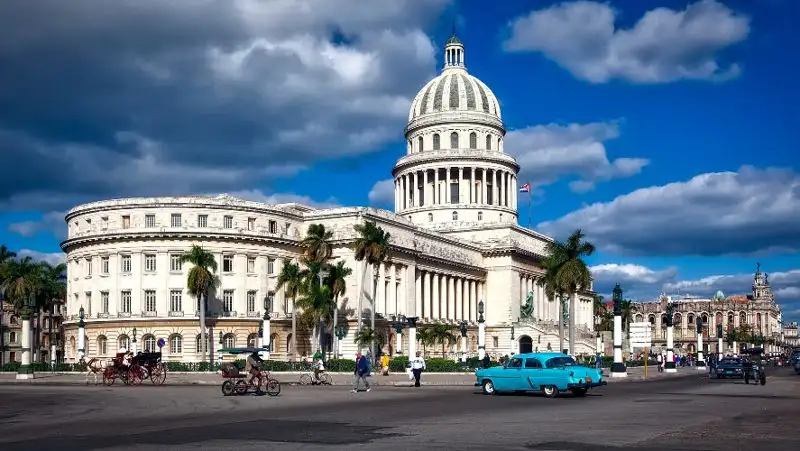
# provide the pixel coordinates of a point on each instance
(160, 343)
(641, 335)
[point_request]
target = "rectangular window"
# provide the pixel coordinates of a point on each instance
(227, 222)
(104, 223)
(273, 227)
(227, 301)
(126, 222)
(125, 264)
(175, 263)
(175, 301)
(88, 296)
(270, 266)
(104, 265)
(227, 263)
(150, 262)
(125, 301)
(104, 302)
(89, 266)
(251, 223)
(150, 300)
(251, 301)
(251, 265)
(202, 221)
(175, 220)
(454, 193)
(150, 220)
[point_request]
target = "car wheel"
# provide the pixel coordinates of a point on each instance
(550, 391)
(488, 388)
(579, 392)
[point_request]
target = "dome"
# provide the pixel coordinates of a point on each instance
(454, 89)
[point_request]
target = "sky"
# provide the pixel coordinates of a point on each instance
(665, 130)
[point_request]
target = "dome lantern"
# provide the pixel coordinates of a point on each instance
(453, 52)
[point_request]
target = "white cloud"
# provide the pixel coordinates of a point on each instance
(663, 46)
(720, 213)
(639, 281)
(204, 97)
(547, 153)
(53, 258)
(52, 222)
(382, 193)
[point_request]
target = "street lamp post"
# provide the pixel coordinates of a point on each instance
(341, 332)
(719, 342)
(599, 350)
(618, 368)
(81, 335)
(133, 342)
(265, 326)
(669, 365)
(323, 274)
(701, 362)
(512, 344)
(412, 336)
(463, 328)
(26, 370)
(219, 350)
(481, 332)
(398, 322)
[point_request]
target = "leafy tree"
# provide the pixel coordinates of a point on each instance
(199, 282)
(291, 279)
(371, 247)
(443, 334)
(369, 338)
(317, 243)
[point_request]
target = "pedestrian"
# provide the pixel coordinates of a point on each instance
(487, 361)
(361, 372)
(385, 364)
(417, 367)
(660, 363)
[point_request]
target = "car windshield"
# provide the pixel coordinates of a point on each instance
(731, 361)
(556, 362)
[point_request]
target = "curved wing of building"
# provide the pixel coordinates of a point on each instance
(455, 242)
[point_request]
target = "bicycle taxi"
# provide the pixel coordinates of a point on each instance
(236, 381)
(752, 367)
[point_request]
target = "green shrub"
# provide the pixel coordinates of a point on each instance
(398, 364)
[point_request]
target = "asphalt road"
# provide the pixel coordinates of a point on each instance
(690, 413)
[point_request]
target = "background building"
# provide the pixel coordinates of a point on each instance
(454, 242)
(46, 329)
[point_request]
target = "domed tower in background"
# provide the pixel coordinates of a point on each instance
(455, 175)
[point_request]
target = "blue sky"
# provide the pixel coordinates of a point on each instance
(661, 128)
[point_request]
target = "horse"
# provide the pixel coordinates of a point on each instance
(95, 367)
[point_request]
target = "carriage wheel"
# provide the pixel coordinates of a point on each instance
(241, 387)
(159, 374)
(305, 379)
(109, 378)
(228, 388)
(135, 374)
(326, 379)
(273, 387)
(124, 376)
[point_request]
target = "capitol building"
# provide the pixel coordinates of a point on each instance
(455, 241)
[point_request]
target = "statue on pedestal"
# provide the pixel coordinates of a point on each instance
(526, 309)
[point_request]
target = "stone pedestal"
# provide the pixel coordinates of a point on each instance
(412, 341)
(701, 362)
(669, 365)
(399, 340)
(618, 368)
(25, 370)
(481, 339)
(265, 338)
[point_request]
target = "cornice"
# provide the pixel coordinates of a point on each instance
(450, 155)
(132, 235)
(455, 117)
(467, 225)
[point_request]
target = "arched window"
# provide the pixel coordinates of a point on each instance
(704, 319)
(272, 340)
(480, 216)
(742, 318)
(12, 337)
(229, 341)
(200, 346)
(175, 344)
(430, 217)
(102, 345)
(690, 319)
(454, 140)
(663, 320)
(473, 140)
(252, 340)
(488, 142)
(638, 318)
(124, 342)
(652, 320)
(149, 343)
(72, 346)
(719, 317)
(436, 141)
(455, 216)
(14, 320)
(677, 320)
(419, 144)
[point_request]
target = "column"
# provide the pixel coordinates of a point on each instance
(460, 187)
(380, 293)
(25, 371)
(266, 332)
(473, 304)
(447, 185)
(436, 298)
(425, 189)
(618, 368)
(451, 298)
(428, 301)
(436, 186)
(514, 192)
(701, 362)
(484, 185)
(472, 185)
(395, 196)
(496, 187)
(459, 311)
(481, 338)
(398, 349)
(391, 297)
(669, 365)
(418, 294)
(412, 336)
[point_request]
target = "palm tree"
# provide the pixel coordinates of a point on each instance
(337, 283)
(22, 283)
(552, 290)
(372, 248)
(425, 338)
(291, 279)
(316, 244)
(442, 334)
(368, 337)
(316, 302)
(200, 281)
(573, 273)
(53, 292)
(5, 257)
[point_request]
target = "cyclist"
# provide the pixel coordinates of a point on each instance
(254, 363)
(319, 370)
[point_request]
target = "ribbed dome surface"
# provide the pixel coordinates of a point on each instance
(454, 90)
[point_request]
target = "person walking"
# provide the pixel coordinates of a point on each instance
(361, 372)
(417, 367)
(385, 364)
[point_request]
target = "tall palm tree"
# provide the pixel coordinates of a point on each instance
(200, 280)
(368, 337)
(317, 303)
(425, 338)
(22, 282)
(53, 292)
(337, 283)
(372, 248)
(316, 244)
(553, 291)
(573, 273)
(5, 257)
(291, 279)
(442, 334)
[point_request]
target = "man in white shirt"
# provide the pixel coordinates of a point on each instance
(417, 367)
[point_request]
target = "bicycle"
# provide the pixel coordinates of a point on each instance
(242, 386)
(308, 378)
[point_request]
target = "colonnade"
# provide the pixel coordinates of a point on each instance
(456, 185)
(392, 289)
(543, 309)
(447, 297)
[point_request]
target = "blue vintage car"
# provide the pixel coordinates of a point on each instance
(549, 373)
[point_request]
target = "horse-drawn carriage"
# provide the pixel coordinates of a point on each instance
(752, 368)
(235, 381)
(132, 370)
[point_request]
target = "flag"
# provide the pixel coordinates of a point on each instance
(526, 188)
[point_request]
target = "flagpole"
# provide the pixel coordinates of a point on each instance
(530, 208)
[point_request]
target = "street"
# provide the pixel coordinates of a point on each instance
(686, 413)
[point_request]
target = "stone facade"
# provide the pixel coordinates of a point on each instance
(46, 335)
(757, 309)
(454, 242)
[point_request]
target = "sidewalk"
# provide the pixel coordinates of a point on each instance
(290, 378)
